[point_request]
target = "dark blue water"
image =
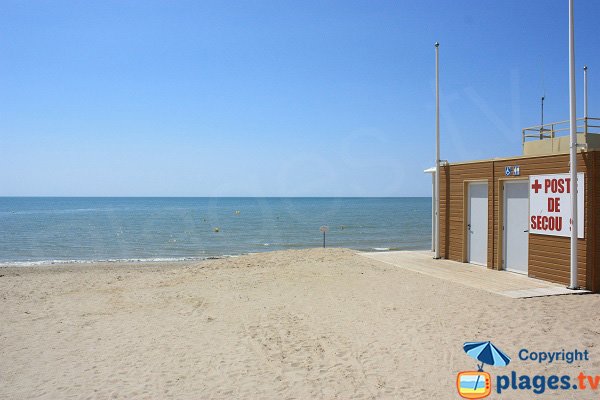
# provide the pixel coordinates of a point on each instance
(44, 230)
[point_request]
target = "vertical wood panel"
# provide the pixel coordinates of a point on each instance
(453, 207)
(593, 239)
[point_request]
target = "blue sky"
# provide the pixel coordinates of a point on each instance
(273, 98)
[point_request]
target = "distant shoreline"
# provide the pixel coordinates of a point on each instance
(162, 260)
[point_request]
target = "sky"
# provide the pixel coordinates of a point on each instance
(274, 98)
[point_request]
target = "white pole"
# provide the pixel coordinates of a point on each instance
(585, 101)
(573, 149)
(437, 150)
(433, 212)
(585, 93)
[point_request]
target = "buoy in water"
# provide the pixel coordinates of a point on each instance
(216, 229)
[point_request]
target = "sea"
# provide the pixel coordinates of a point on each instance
(48, 230)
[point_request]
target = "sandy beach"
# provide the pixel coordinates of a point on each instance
(305, 324)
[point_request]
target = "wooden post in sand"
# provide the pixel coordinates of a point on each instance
(324, 229)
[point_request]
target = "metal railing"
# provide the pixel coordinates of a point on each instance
(584, 125)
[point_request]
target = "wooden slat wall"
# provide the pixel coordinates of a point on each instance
(548, 255)
(452, 210)
(595, 251)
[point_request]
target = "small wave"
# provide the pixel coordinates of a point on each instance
(381, 248)
(109, 260)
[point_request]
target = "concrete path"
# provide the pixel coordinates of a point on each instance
(500, 282)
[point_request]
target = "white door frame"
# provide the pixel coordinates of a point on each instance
(468, 215)
(505, 223)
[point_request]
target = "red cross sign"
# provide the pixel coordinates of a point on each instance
(550, 204)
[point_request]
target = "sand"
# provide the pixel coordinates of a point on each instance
(306, 324)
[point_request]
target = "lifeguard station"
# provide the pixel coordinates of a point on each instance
(494, 213)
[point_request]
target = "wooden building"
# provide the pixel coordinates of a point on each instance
(486, 216)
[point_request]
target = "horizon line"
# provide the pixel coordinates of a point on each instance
(216, 197)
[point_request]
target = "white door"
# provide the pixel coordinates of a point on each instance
(477, 223)
(516, 226)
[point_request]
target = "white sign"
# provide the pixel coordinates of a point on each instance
(514, 170)
(550, 204)
(324, 229)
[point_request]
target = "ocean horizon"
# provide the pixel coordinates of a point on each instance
(49, 230)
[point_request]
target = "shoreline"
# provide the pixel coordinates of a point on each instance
(132, 261)
(169, 260)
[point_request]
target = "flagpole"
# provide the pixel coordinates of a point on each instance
(585, 101)
(437, 151)
(573, 149)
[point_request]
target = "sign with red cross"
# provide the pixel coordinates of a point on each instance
(550, 204)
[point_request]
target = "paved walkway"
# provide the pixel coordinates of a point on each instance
(500, 282)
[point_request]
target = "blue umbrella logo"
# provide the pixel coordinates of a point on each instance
(486, 353)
